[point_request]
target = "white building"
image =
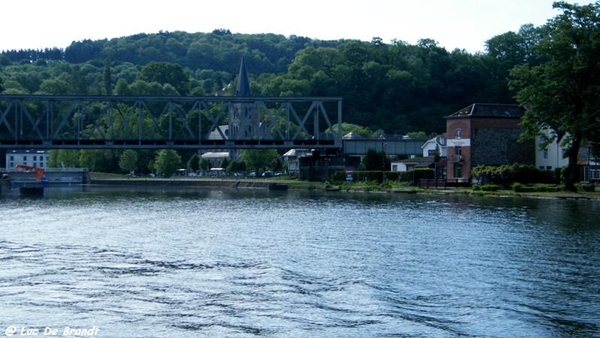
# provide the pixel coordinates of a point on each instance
(292, 157)
(31, 157)
(413, 163)
(551, 156)
(434, 144)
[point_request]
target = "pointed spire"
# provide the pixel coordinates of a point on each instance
(243, 85)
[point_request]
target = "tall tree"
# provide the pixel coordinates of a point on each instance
(258, 159)
(563, 92)
(167, 162)
(128, 160)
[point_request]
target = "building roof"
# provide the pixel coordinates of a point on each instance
(437, 140)
(210, 154)
(495, 110)
(418, 161)
(296, 152)
(216, 135)
(352, 136)
(243, 85)
(26, 151)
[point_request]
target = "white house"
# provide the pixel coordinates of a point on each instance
(434, 144)
(292, 157)
(31, 157)
(551, 156)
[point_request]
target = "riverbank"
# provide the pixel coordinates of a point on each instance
(245, 183)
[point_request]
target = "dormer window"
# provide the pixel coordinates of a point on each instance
(457, 133)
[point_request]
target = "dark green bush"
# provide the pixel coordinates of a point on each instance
(506, 175)
(518, 187)
(394, 176)
(490, 187)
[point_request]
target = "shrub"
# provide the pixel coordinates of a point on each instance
(518, 187)
(506, 175)
(490, 187)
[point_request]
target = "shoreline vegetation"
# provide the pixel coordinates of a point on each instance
(295, 184)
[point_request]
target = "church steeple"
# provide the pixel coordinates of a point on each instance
(243, 85)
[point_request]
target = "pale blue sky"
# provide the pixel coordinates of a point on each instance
(463, 24)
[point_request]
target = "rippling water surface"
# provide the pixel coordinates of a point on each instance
(236, 263)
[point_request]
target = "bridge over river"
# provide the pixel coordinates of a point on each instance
(158, 122)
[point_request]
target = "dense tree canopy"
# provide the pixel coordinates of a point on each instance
(394, 87)
(562, 91)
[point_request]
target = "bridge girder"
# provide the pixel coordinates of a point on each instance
(157, 122)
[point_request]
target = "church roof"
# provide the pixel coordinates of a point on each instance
(243, 85)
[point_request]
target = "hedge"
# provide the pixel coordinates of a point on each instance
(507, 174)
(398, 176)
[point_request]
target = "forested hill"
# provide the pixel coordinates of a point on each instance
(395, 88)
(219, 50)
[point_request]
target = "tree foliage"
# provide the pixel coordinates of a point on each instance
(167, 162)
(563, 91)
(375, 160)
(128, 160)
(258, 159)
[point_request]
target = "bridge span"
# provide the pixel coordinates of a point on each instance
(136, 122)
(158, 122)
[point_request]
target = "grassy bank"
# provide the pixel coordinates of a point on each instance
(388, 187)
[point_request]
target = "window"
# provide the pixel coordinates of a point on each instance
(458, 171)
(35, 159)
(24, 158)
(458, 133)
(595, 174)
(431, 152)
(457, 150)
(546, 154)
(12, 158)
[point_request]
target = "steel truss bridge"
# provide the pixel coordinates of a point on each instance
(151, 122)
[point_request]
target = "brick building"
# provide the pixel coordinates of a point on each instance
(485, 134)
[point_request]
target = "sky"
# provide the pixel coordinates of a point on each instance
(462, 24)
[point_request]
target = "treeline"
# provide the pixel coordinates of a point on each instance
(393, 88)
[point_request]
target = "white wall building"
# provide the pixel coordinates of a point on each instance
(431, 145)
(551, 156)
(31, 157)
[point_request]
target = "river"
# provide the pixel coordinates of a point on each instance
(229, 263)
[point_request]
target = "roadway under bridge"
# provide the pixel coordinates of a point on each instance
(151, 122)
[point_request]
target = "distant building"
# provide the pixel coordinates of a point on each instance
(413, 163)
(292, 158)
(435, 145)
(244, 119)
(588, 164)
(485, 134)
(31, 157)
(551, 156)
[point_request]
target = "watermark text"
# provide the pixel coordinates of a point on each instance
(65, 331)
